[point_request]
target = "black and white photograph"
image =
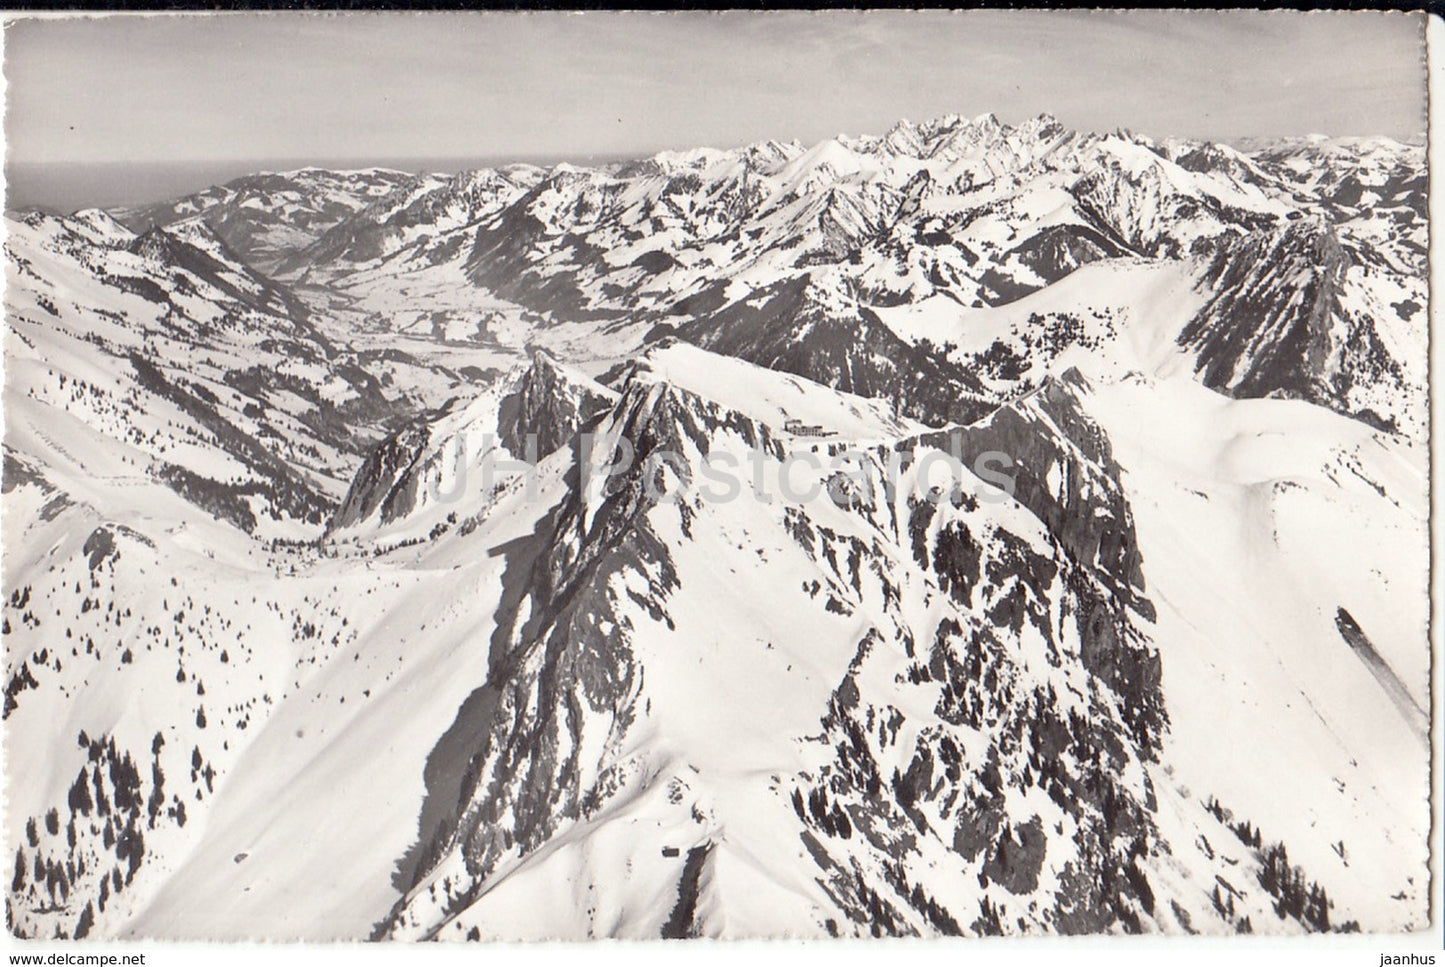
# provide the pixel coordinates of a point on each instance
(717, 476)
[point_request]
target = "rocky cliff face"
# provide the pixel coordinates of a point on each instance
(981, 763)
(562, 688)
(811, 329)
(1027, 793)
(528, 414)
(1291, 313)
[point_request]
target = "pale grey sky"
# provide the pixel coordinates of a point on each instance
(263, 87)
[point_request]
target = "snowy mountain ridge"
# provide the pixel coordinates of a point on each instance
(910, 534)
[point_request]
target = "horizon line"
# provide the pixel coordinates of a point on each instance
(382, 160)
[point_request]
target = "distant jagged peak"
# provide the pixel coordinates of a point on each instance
(767, 155)
(312, 183)
(904, 138)
(1122, 133)
(944, 122)
(566, 169)
(1176, 148)
(987, 134)
(912, 139)
(471, 188)
(987, 121)
(832, 161)
(758, 156)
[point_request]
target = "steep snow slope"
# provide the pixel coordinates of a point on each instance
(173, 421)
(675, 728)
(1107, 318)
(216, 379)
(147, 641)
(1277, 529)
(191, 361)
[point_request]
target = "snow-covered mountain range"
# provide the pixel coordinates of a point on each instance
(979, 528)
